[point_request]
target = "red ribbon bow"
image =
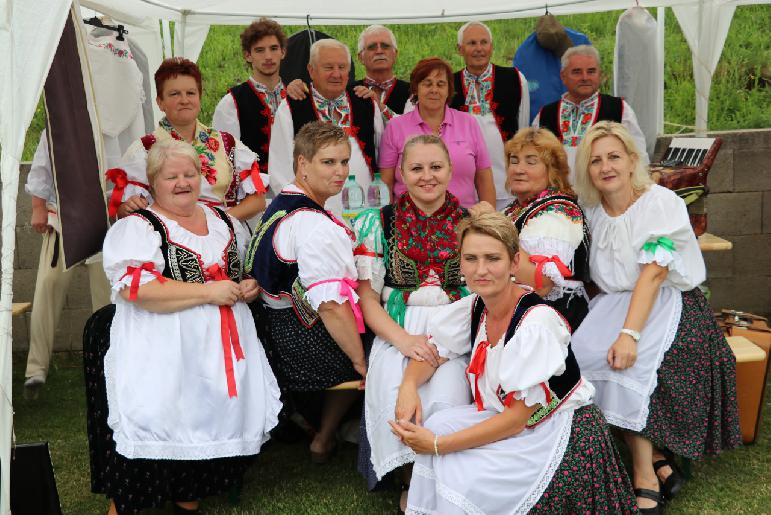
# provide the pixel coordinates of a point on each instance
(118, 177)
(254, 173)
(228, 332)
(540, 261)
(477, 367)
(136, 273)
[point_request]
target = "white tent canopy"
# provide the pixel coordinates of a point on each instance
(28, 41)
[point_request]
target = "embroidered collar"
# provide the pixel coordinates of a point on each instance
(515, 208)
(272, 97)
(336, 111)
(206, 143)
(479, 90)
(575, 119)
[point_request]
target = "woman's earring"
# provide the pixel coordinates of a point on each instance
(463, 278)
(305, 177)
(513, 279)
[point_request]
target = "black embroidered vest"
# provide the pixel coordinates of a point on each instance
(560, 387)
(276, 276)
(254, 120)
(507, 94)
(580, 266)
(183, 264)
(396, 98)
(362, 122)
(401, 271)
(608, 108)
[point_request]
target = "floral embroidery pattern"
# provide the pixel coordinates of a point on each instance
(479, 91)
(575, 119)
(122, 53)
(206, 143)
(271, 99)
(326, 109)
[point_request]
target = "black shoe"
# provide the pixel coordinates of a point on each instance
(653, 496)
(674, 482)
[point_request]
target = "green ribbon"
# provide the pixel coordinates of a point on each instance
(663, 242)
(395, 306)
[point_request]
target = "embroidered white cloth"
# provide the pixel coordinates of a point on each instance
(166, 382)
(616, 257)
(226, 113)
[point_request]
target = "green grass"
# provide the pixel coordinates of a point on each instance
(284, 481)
(740, 97)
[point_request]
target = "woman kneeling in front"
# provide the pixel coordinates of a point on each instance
(531, 440)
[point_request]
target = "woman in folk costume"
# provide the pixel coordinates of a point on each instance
(531, 441)
(230, 175)
(302, 259)
(553, 236)
(190, 396)
(408, 266)
(663, 370)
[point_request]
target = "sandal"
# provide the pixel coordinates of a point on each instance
(672, 485)
(653, 496)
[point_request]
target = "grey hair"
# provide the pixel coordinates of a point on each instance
(326, 43)
(371, 30)
(163, 150)
(468, 24)
(587, 50)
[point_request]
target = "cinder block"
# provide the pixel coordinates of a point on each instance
(745, 293)
(20, 332)
(79, 294)
(748, 139)
(719, 264)
(752, 170)
(767, 212)
(24, 285)
(662, 142)
(28, 244)
(751, 254)
(721, 175)
(734, 213)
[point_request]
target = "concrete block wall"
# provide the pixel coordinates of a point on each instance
(739, 207)
(739, 210)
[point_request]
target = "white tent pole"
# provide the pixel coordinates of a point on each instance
(660, 50)
(179, 36)
(702, 95)
(166, 32)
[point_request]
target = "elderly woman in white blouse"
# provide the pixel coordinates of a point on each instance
(650, 344)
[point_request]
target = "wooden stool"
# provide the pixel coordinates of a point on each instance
(751, 373)
(19, 308)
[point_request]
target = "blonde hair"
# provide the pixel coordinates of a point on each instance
(162, 151)
(587, 192)
(549, 150)
(493, 224)
(426, 139)
(313, 137)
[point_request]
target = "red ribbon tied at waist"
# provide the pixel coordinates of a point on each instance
(347, 287)
(477, 367)
(228, 332)
(118, 177)
(540, 261)
(136, 273)
(254, 173)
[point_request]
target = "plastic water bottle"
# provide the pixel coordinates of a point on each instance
(353, 194)
(377, 193)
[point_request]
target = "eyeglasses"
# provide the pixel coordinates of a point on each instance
(383, 46)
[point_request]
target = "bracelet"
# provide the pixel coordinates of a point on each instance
(631, 332)
(436, 447)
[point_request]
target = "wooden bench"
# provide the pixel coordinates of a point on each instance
(19, 308)
(709, 242)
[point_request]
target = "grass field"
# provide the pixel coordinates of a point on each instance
(283, 481)
(740, 96)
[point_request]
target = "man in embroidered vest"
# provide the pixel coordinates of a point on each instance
(330, 102)
(583, 105)
(497, 96)
(247, 111)
(378, 53)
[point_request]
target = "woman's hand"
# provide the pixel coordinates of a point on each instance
(408, 405)
(249, 290)
(361, 368)
(416, 346)
(133, 203)
(623, 353)
(297, 90)
(223, 293)
(416, 437)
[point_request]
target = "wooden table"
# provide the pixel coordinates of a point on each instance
(20, 308)
(744, 350)
(709, 242)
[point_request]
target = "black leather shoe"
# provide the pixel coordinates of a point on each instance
(672, 485)
(653, 496)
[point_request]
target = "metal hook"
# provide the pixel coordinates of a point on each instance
(546, 7)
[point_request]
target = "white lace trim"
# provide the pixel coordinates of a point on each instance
(166, 451)
(663, 257)
(397, 459)
(639, 424)
(444, 491)
(571, 288)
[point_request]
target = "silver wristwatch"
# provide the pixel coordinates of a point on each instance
(631, 332)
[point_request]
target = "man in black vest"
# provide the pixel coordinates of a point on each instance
(378, 52)
(328, 101)
(497, 96)
(247, 111)
(583, 105)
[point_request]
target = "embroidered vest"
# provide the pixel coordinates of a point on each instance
(559, 387)
(402, 272)
(507, 94)
(580, 266)
(608, 108)
(362, 122)
(276, 276)
(395, 98)
(254, 120)
(183, 264)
